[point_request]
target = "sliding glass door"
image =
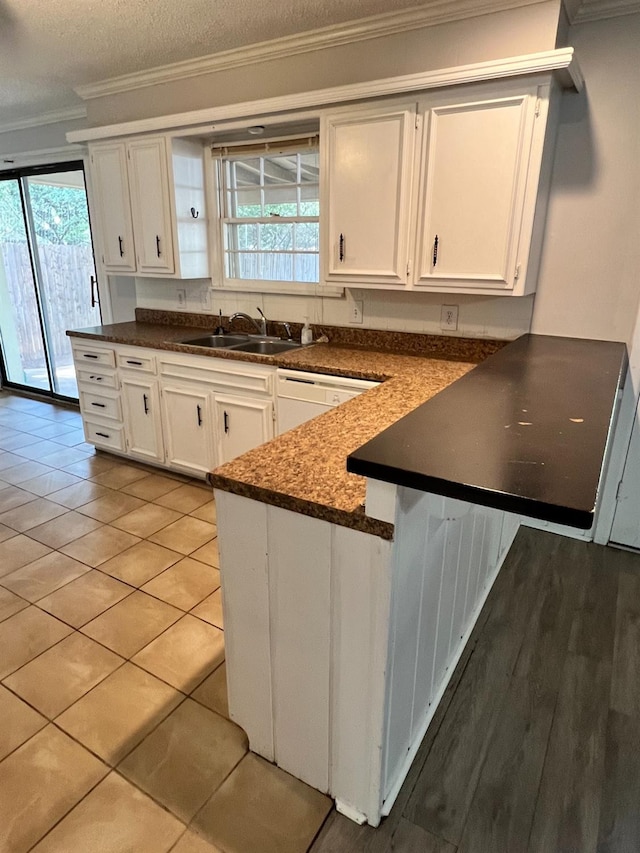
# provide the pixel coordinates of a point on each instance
(47, 276)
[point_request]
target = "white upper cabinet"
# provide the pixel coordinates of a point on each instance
(110, 184)
(149, 195)
(475, 161)
(446, 195)
(366, 190)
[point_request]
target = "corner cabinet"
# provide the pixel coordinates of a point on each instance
(149, 200)
(446, 194)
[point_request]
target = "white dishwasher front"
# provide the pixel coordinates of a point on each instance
(302, 396)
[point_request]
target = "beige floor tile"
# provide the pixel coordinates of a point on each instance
(79, 494)
(32, 514)
(192, 843)
(10, 604)
(25, 471)
(100, 545)
(60, 531)
(6, 532)
(140, 563)
(117, 714)
(185, 654)
(262, 809)
(185, 498)
(53, 429)
(119, 476)
(114, 818)
(206, 512)
(208, 554)
(211, 608)
(74, 438)
(62, 456)
(19, 440)
(19, 722)
(8, 460)
(85, 598)
(182, 762)
(132, 623)
(146, 520)
(52, 482)
(213, 691)
(38, 449)
(18, 551)
(39, 783)
(44, 576)
(151, 487)
(185, 535)
(92, 465)
(25, 635)
(13, 496)
(111, 506)
(185, 584)
(61, 675)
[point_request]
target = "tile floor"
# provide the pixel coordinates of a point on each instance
(114, 729)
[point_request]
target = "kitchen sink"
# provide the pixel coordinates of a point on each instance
(217, 341)
(267, 347)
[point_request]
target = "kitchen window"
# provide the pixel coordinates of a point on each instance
(270, 212)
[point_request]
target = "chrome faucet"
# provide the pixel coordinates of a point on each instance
(287, 329)
(261, 325)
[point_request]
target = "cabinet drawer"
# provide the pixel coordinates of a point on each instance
(98, 404)
(140, 363)
(91, 355)
(104, 436)
(94, 377)
(239, 379)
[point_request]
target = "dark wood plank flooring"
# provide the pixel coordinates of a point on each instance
(535, 747)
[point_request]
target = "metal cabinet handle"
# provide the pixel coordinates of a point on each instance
(120, 246)
(435, 250)
(99, 405)
(96, 378)
(137, 363)
(199, 410)
(145, 402)
(226, 422)
(157, 245)
(341, 251)
(95, 299)
(103, 434)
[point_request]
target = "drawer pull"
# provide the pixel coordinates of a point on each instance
(99, 405)
(145, 402)
(137, 363)
(89, 355)
(199, 410)
(96, 378)
(103, 434)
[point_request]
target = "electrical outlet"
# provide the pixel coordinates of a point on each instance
(356, 311)
(449, 317)
(205, 299)
(181, 293)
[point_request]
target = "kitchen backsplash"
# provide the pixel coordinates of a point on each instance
(504, 318)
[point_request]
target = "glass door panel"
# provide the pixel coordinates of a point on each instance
(21, 333)
(65, 267)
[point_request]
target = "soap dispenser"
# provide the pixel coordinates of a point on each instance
(306, 335)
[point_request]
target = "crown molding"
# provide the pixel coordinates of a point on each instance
(599, 10)
(52, 117)
(560, 62)
(376, 26)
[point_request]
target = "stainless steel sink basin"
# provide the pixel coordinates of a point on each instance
(266, 347)
(217, 341)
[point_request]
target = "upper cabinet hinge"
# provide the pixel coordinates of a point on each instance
(538, 106)
(273, 412)
(516, 275)
(618, 490)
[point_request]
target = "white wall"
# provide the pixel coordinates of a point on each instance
(589, 284)
(31, 140)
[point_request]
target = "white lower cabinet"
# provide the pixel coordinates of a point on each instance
(178, 411)
(242, 424)
(188, 429)
(143, 430)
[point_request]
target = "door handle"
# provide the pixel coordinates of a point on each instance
(199, 411)
(435, 250)
(95, 293)
(157, 245)
(145, 402)
(341, 250)
(226, 422)
(120, 246)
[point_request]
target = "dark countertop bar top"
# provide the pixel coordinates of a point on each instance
(525, 431)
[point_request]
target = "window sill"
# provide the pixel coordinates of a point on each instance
(287, 288)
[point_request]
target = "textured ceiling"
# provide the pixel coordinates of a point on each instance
(47, 48)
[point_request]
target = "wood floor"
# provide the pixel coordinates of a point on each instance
(536, 745)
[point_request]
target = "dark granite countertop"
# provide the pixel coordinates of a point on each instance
(525, 431)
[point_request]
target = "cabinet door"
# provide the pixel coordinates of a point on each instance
(188, 429)
(142, 425)
(110, 192)
(368, 163)
(475, 160)
(241, 424)
(150, 204)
